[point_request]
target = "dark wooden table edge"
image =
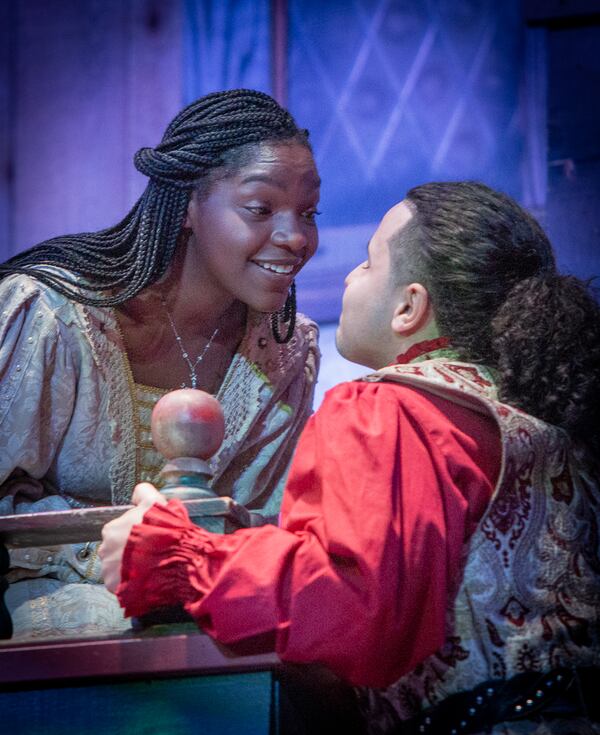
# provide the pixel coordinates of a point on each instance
(55, 662)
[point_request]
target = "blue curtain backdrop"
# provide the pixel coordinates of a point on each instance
(226, 44)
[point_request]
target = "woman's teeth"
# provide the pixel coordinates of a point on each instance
(275, 267)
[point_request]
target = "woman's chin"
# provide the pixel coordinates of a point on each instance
(269, 303)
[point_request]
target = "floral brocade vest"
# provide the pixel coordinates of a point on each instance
(529, 597)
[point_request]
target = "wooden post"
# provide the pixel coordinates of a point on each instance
(279, 50)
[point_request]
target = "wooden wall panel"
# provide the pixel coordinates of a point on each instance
(7, 10)
(68, 115)
(95, 81)
(154, 79)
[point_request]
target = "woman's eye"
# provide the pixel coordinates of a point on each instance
(365, 265)
(258, 209)
(311, 215)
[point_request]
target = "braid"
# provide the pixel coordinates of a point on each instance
(124, 259)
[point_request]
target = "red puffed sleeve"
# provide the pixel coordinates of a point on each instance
(386, 484)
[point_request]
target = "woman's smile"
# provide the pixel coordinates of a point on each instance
(275, 267)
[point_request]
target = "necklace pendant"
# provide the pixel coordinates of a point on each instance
(184, 353)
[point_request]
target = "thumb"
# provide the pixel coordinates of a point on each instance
(146, 494)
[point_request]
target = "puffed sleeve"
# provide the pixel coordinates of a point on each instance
(37, 390)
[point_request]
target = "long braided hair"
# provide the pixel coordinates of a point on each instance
(498, 296)
(117, 263)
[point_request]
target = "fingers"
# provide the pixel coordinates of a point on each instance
(114, 539)
(116, 533)
(146, 494)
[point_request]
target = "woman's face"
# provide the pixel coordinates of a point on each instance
(254, 230)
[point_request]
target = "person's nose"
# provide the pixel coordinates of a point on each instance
(289, 234)
(350, 276)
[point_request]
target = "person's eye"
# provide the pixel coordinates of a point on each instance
(365, 265)
(258, 209)
(311, 215)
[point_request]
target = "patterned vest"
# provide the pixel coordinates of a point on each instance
(529, 596)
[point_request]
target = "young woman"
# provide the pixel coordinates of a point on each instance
(195, 287)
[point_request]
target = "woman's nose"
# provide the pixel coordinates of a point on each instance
(289, 235)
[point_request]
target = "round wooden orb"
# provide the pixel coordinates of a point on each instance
(187, 423)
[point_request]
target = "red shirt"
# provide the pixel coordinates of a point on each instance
(387, 483)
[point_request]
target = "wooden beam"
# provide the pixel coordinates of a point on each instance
(177, 650)
(8, 51)
(85, 524)
(279, 50)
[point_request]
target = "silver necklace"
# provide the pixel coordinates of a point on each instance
(184, 353)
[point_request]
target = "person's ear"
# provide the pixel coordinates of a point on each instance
(413, 311)
(187, 222)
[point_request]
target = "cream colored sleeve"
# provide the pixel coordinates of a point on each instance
(37, 389)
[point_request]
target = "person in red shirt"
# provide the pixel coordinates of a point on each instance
(411, 485)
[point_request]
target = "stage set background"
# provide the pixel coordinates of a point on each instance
(394, 92)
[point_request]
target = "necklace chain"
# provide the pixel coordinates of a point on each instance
(184, 353)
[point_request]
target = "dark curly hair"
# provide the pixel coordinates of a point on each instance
(490, 271)
(208, 140)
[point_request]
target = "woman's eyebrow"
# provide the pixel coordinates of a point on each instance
(264, 179)
(280, 184)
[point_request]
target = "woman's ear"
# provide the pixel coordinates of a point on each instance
(413, 312)
(187, 222)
